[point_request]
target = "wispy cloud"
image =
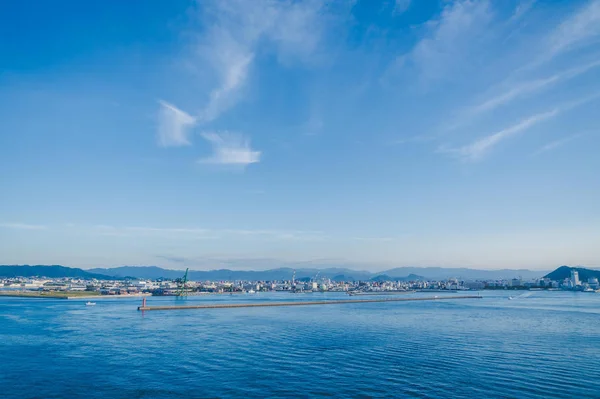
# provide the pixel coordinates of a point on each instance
(401, 6)
(522, 89)
(476, 150)
(23, 226)
(173, 126)
(205, 233)
(522, 8)
(230, 149)
(234, 31)
(449, 40)
(375, 239)
(579, 29)
(556, 143)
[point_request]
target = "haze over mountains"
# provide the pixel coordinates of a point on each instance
(283, 273)
(336, 273)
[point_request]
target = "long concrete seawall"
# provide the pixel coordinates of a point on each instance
(304, 303)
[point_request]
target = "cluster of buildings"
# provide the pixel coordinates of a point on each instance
(574, 283)
(178, 287)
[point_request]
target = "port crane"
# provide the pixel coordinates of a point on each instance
(182, 291)
(316, 275)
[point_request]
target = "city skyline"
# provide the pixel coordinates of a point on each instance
(430, 133)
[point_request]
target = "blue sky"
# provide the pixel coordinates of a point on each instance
(249, 134)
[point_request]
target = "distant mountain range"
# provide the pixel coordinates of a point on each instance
(285, 273)
(54, 271)
(564, 272)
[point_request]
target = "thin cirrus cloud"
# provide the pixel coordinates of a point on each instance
(522, 9)
(577, 30)
(230, 149)
(580, 29)
(478, 149)
(481, 147)
(174, 126)
(23, 226)
(556, 144)
(530, 87)
(235, 31)
(448, 40)
(228, 45)
(196, 233)
(400, 6)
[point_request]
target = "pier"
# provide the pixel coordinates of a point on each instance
(144, 307)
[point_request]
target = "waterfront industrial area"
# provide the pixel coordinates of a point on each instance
(69, 287)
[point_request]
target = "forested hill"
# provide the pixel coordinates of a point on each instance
(564, 272)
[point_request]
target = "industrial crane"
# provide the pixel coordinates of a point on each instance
(182, 291)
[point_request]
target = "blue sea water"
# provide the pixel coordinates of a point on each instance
(538, 345)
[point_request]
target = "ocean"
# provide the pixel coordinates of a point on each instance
(537, 345)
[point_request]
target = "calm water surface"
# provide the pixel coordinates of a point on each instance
(538, 345)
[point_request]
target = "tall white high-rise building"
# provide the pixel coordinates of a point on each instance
(575, 278)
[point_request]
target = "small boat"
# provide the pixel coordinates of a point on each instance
(510, 298)
(251, 292)
(90, 304)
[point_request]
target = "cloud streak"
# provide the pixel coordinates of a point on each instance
(230, 149)
(23, 226)
(526, 88)
(173, 126)
(522, 9)
(556, 143)
(235, 31)
(449, 40)
(478, 149)
(204, 233)
(579, 29)
(233, 34)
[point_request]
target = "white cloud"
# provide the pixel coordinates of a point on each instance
(579, 29)
(476, 150)
(23, 226)
(234, 76)
(235, 29)
(450, 39)
(525, 88)
(556, 143)
(173, 126)
(230, 149)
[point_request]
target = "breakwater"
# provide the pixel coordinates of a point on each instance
(303, 303)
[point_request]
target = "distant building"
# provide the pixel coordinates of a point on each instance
(575, 278)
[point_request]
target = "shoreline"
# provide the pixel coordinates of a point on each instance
(66, 295)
